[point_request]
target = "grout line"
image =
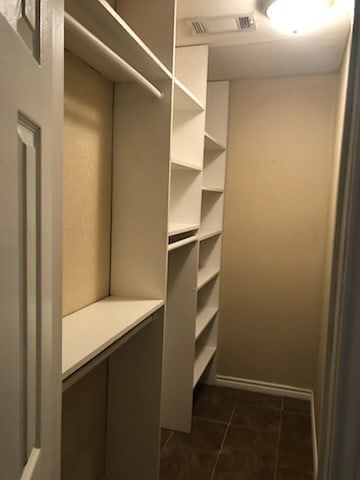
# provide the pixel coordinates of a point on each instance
(223, 440)
(167, 441)
(208, 419)
(278, 440)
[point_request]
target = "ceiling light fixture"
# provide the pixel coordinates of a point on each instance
(298, 16)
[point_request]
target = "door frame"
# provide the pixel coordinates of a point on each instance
(340, 431)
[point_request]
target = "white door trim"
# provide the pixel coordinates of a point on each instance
(340, 432)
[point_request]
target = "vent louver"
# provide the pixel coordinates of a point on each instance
(198, 27)
(246, 23)
(221, 25)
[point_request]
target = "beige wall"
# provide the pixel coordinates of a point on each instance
(280, 152)
(88, 121)
(87, 185)
(324, 319)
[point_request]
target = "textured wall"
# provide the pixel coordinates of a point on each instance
(87, 185)
(279, 171)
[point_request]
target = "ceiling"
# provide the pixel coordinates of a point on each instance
(264, 52)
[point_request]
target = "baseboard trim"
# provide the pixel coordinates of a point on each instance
(314, 437)
(264, 387)
(280, 390)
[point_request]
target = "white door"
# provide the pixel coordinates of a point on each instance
(31, 49)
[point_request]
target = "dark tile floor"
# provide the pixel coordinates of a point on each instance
(240, 435)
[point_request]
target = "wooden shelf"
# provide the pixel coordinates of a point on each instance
(177, 228)
(184, 100)
(182, 165)
(212, 189)
(203, 357)
(213, 145)
(203, 318)
(105, 23)
(91, 330)
(204, 234)
(205, 275)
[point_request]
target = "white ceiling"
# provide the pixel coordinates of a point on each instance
(264, 52)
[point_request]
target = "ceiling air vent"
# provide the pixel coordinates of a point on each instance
(219, 25)
(246, 23)
(198, 27)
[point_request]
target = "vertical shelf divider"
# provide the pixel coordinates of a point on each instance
(210, 231)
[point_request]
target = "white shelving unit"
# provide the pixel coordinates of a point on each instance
(185, 100)
(203, 318)
(187, 152)
(89, 331)
(204, 355)
(98, 17)
(205, 275)
(182, 164)
(122, 334)
(197, 182)
(167, 200)
(210, 231)
(212, 144)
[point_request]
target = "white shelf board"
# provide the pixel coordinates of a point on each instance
(204, 234)
(203, 318)
(106, 24)
(182, 165)
(184, 100)
(212, 189)
(92, 329)
(205, 275)
(213, 145)
(178, 228)
(202, 360)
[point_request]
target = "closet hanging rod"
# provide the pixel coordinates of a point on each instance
(181, 243)
(117, 63)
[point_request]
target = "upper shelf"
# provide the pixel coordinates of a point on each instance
(184, 165)
(184, 100)
(212, 189)
(105, 23)
(92, 329)
(178, 228)
(213, 145)
(205, 234)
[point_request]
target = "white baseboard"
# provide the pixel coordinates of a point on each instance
(280, 390)
(264, 387)
(314, 437)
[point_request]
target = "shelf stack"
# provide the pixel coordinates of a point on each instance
(195, 223)
(167, 200)
(213, 184)
(124, 331)
(187, 147)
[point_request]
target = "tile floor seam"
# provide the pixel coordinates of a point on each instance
(208, 419)
(167, 441)
(278, 440)
(223, 440)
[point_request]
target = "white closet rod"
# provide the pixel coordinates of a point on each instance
(116, 62)
(181, 243)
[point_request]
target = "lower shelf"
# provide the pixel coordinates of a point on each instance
(204, 234)
(203, 318)
(92, 329)
(205, 275)
(203, 356)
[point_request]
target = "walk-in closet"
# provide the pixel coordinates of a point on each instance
(180, 271)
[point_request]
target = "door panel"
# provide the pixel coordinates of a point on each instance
(31, 58)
